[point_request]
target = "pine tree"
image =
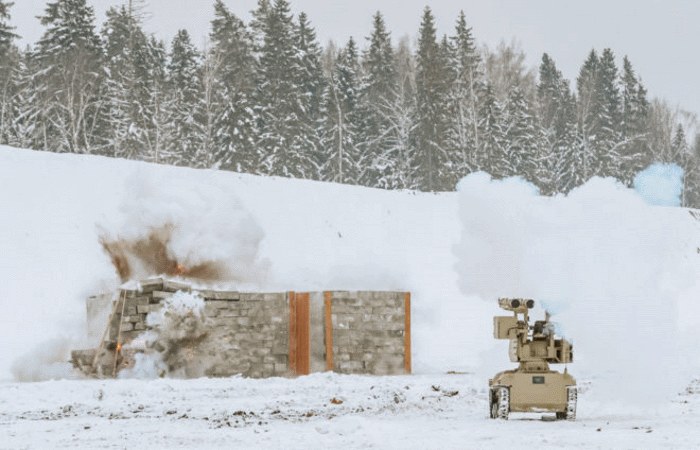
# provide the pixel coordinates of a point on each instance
(679, 146)
(399, 161)
(587, 107)
(305, 146)
(68, 79)
(466, 81)
(277, 97)
(230, 87)
(492, 142)
(9, 67)
(340, 131)
(22, 132)
(635, 153)
(691, 179)
(184, 95)
(559, 160)
(130, 96)
(523, 139)
(259, 24)
(608, 116)
(378, 94)
(432, 84)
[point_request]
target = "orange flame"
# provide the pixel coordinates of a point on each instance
(119, 347)
(180, 269)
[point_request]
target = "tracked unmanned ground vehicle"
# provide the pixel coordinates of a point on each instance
(532, 386)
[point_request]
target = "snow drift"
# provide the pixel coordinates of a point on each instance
(601, 259)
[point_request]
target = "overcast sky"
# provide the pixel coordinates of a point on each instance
(661, 37)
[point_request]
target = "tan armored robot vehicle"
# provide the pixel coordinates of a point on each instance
(532, 387)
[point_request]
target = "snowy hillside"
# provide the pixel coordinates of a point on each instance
(498, 238)
(620, 276)
(281, 235)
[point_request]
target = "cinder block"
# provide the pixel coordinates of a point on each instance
(351, 366)
(161, 294)
(217, 303)
(220, 295)
(145, 309)
(126, 326)
(210, 311)
(153, 284)
(174, 286)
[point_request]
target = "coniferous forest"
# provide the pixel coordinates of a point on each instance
(265, 97)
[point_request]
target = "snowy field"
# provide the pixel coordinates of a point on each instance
(619, 275)
(317, 411)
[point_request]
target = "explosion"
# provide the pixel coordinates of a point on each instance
(150, 255)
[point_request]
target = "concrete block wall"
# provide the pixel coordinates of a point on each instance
(248, 333)
(251, 334)
(369, 332)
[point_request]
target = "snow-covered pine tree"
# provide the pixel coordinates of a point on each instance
(23, 128)
(523, 139)
(306, 147)
(635, 152)
(687, 158)
(229, 80)
(259, 23)
(559, 168)
(492, 134)
(277, 96)
(691, 179)
(679, 145)
(587, 87)
(378, 94)
(129, 85)
(399, 159)
(184, 94)
(340, 131)
(463, 132)
(69, 79)
(9, 70)
(608, 115)
(433, 162)
(155, 108)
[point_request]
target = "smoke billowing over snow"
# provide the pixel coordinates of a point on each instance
(620, 275)
(611, 268)
(660, 184)
(169, 228)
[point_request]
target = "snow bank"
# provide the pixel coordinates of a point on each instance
(612, 269)
(272, 234)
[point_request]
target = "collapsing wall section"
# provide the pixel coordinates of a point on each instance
(259, 334)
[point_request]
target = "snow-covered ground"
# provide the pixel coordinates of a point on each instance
(619, 274)
(317, 411)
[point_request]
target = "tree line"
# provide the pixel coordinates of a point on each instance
(265, 97)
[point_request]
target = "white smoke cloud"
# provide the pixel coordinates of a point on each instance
(203, 228)
(47, 361)
(660, 184)
(612, 269)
